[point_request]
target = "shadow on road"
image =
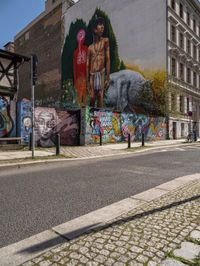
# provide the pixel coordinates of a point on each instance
(99, 227)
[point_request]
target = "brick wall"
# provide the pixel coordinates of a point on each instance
(43, 39)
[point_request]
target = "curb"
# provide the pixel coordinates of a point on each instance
(121, 152)
(22, 251)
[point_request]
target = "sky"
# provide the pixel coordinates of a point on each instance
(15, 15)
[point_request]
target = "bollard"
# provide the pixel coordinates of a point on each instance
(142, 139)
(129, 141)
(100, 138)
(57, 144)
(30, 142)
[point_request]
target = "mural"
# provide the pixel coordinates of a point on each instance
(49, 122)
(93, 73)
(115, 127)
(6, 122)
(154, 128)
(68, 127)
(108, 123)
(24, 120)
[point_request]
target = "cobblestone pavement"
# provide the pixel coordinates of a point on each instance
(144, 236)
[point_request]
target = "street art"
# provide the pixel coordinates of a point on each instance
(45, 126)
(68, 127)
(6, 123)
(97, 75)
(153, 128)
(108, 123)
(24, 120)
(49, 122)
(89, 55)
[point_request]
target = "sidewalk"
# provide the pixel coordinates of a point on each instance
(88, 151)
(160, 226)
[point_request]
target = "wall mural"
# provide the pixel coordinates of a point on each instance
(49, 122)
(154, 128)
(115, 127)
(108, 123)
(6, 122)
(94, 75)
(24, 120)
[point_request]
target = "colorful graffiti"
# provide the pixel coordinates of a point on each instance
(108, 123)
(24, 120)
(49, 122)
(153, 128)
(6, 122)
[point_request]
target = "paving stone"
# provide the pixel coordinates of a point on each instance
(188, 251)
(171, 262)
(195, 234)
(45, 263)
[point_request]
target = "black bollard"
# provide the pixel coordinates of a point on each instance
(142, 139)
(100, 138)
(129, 141)
(30, 142)
(57, 144)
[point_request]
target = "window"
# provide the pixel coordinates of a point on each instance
(194, 25)
(173, 67)
(181, 104)
(181, 40)
(173, 102)
(188, 18)
(188, 46)
(181, 71)
(173, 33)
(194, 79)
(188, 75)
(194, 51)
(199, 81)
(173, 4)
(188, 104)
(181, 10)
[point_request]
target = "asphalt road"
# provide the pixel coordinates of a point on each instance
(36, 198)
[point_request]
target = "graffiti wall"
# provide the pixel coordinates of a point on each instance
(24, 120)
(108, 123)
(154, 128)
(115, 127)
(7, 123)
(49, 122)
(111, 55)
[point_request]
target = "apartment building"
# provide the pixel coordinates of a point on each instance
(183, 66)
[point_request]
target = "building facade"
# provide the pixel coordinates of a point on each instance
(183, 66)
(156, 41)
(43, 38)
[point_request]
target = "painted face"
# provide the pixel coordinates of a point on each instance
(46, 122)
(27, 123)
(99, 30)
(81, 36)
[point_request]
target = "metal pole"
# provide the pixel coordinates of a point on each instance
(129, 141)
(30, 142)
(57, 144)
(142, 139)
(100, 138)
(33, 107)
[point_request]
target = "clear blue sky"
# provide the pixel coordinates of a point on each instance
(15, 15)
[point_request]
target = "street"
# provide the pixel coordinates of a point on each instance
(36, 198)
